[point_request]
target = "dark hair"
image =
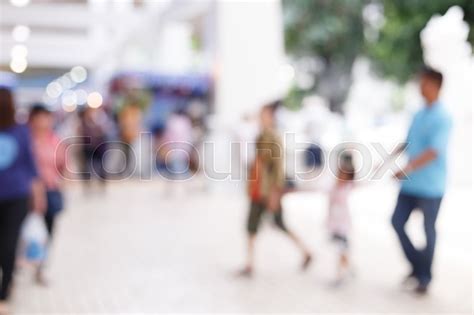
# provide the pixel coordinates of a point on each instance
(38, 108)
(346, 165)
(7, 108)
(433, 75)
(273, 106)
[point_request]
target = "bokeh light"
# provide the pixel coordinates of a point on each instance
(94, 100)
(19, 51)
(78, 74)
(54, 89)
(69, 98)
(69, 108)
(19, 3)
(81, 96)
(287, 72)
(18, 65)
(65, 82)
(21, 33)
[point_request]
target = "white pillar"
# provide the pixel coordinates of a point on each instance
(249, 56)
(249, 69)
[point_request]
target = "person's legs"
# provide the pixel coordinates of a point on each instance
(13, 214)
(86, 163)
(342, 244)
(253, 222)
(4, 205)
(49, 220)
(250, 253)
(86, 169)
(403, 210)
(129, 160)
(430, 208)
(100, 172)
(278, 217)
(3, 238)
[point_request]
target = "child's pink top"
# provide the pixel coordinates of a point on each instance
(339, 219)
(50, 159)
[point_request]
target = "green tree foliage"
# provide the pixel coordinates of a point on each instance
(397, 52)
(330, 31)
(334, 33)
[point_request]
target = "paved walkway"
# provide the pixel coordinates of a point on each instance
(140, 249)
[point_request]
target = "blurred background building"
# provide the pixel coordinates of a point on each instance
(228, 58)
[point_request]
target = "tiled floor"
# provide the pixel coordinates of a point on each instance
(139, 249)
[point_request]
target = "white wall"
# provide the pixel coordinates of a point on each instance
(249, 56)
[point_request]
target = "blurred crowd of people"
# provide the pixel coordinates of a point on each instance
(36, 161)
(423, 184)
(34, 164)
(30, 180)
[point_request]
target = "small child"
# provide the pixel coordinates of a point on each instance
(339, 218)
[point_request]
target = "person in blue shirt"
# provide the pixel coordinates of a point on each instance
(18, 182)
(423, 179)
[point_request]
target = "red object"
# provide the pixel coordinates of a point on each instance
(254, 182)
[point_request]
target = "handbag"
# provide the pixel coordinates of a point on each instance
(34, 238)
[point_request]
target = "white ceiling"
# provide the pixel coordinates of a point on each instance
(73, 32)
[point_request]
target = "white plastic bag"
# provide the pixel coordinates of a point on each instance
(34, 238)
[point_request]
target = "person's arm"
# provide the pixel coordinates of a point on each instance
(60, 155)
(252, 177)
(437, 142)
(274, 199)
(420, 161)
(38, 192)
(399, 149)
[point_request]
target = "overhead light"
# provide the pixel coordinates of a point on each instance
(18, 65)
(54, 89)
(81, 97)
(19, 3)
(69, 101)
(69, 108)
(21, 33)
(78, 74)
(69, 98)
(94, 100)
(19, 51)
(65, 82)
